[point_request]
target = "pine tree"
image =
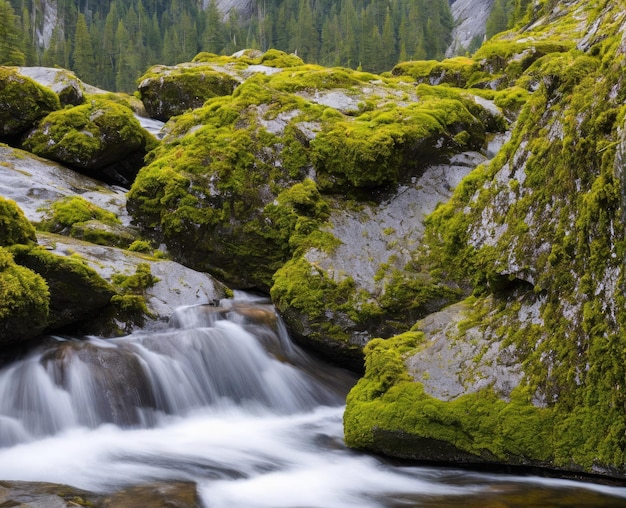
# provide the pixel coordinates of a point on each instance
(497, 21)
(84, 63)
(11, 42)
(213, 35)
(389, 55)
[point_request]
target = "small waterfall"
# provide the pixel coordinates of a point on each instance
(235, 355)
(221, 397)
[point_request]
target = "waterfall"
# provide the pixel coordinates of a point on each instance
(210, 357)
(221, 397)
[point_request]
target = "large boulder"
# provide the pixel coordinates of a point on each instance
(74, 284)
(64, 83)
(265, 187)
(22, 103)
(170, 91)
(531, 370)
(101, 138)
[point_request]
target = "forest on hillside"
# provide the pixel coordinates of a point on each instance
(110, 43)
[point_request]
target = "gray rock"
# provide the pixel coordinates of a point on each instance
(470, 17)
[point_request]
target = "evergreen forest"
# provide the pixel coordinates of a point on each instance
(110, 43)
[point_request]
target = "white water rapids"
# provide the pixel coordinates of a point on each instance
(222, 398)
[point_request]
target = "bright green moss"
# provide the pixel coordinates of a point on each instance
(72, 210)
(376, 148)
(14, 226)
(387, 401)
(458, 71)
(141, 280)
(92, 135)
(276, 58)
(170, 91)
(22, 102)
(24, 297)
(71, 268)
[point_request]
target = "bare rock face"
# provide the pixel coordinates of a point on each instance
(470, 17)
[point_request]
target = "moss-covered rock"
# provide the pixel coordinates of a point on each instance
(22, 102)
(24, 301)
(64, 83)
(76, 290)
(101, 138)
(14, 226)
(170, 91)
(76, 217)
(544, 220)
(215, 192)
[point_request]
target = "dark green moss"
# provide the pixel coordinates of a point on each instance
(76, 290)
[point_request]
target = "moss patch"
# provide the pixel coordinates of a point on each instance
(14, 226)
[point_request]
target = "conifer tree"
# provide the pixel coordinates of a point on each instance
(11, 42)
(84, 63)
(497, 21)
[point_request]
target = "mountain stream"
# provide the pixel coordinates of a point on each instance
(223, 398)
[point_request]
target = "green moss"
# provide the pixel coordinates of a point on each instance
(24, 298)
(92, 135)
(388, 401)
(458, 71)
(14, 226)
(141, 280)
(140, 246)
(22, 102)
(377, 148)
(72, 210)
(276, 58)
(170, 91)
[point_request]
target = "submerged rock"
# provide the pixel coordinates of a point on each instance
(51, 495)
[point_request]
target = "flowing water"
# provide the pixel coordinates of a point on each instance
(223, 398)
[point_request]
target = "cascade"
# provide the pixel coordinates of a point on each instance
(221, 397)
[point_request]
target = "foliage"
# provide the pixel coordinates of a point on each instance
(11, 44)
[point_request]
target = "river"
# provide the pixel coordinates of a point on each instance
(222, 397)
